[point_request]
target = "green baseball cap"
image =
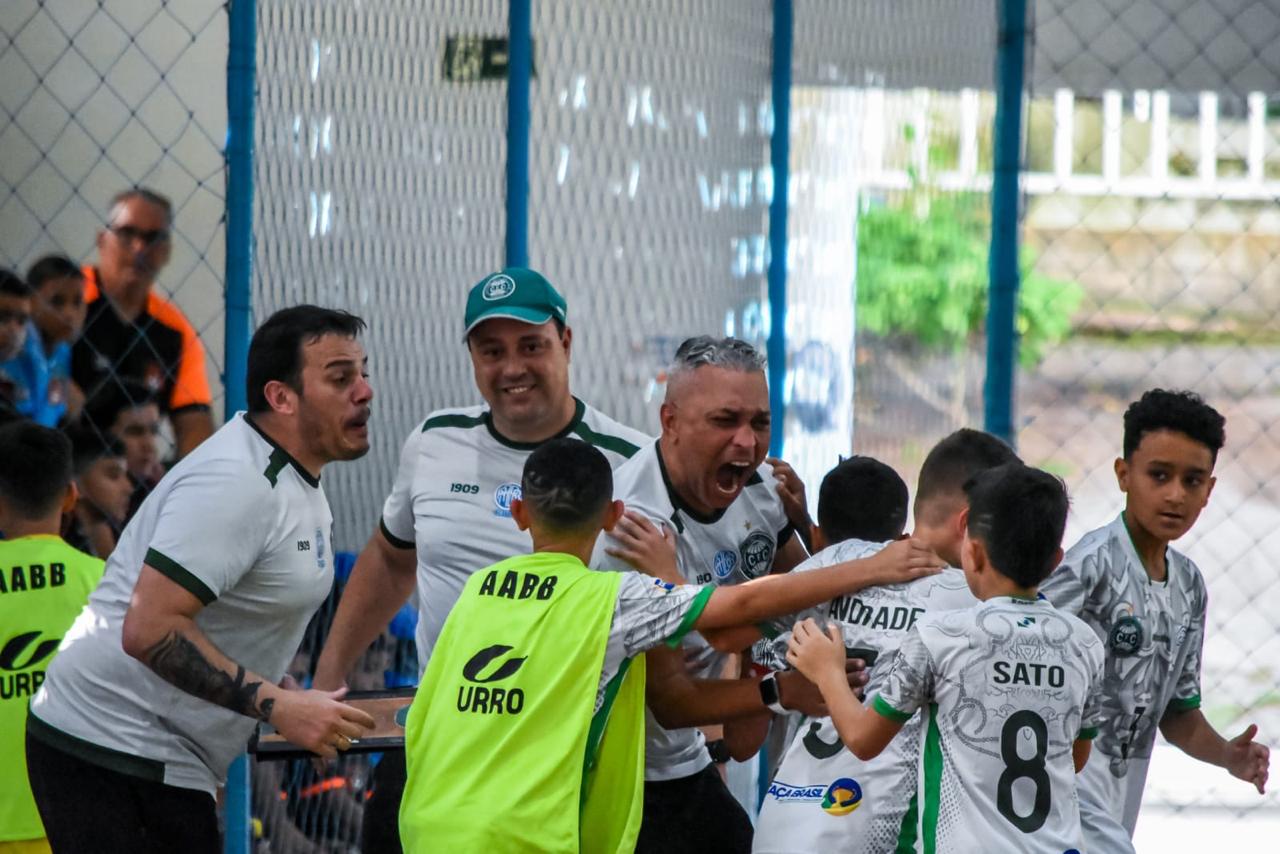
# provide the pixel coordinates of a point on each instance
(518, 293)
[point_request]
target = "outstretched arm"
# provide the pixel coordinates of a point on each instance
(381, 582)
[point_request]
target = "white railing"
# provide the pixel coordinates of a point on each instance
(1155, 182)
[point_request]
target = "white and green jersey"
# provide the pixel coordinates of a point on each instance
(803, 810)
(246, 529)
(452, 498)
(728, 547)
(1153, 632)
(1007, 687)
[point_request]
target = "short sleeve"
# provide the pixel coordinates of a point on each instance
(651, 612)
(1186, 694)
(191, 384)
(1070, 587)
(1092, 717)
(210, 532)
(908, 684)
(397, 510)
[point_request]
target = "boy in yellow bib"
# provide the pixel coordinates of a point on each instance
(527, 732)
(44, 584)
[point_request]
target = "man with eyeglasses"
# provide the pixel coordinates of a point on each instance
(133, 333)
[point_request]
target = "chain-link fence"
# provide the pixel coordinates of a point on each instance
(1152, 169)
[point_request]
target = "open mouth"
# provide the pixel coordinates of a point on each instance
(730, 477)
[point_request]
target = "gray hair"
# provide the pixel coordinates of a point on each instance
(704, 351)
(145, 194)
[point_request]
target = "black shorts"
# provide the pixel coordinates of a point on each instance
(380, 829)
(693, 815)
(89, 809)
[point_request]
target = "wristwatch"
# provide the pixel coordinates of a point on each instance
(719, 751)
(770, 694)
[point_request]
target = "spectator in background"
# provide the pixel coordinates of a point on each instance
(131, 332)
(128, 411)
(104, 488)
(43, 366)
(15, 311)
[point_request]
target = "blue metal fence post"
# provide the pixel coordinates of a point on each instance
(1002, 336)
(241, 59)
(779, 155)
(519, 71)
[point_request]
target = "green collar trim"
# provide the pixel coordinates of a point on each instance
(678, 502)
(579, 409)
(280, 458)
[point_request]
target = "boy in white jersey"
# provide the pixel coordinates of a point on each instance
(159, 683)
(1005, 683)
(794, 817)
(1147, 603)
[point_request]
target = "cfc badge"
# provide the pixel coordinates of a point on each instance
(1126, 636)
(757, 554)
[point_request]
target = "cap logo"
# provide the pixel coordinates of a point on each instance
(499, 287)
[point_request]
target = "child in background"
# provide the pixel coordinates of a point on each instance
(103, 485)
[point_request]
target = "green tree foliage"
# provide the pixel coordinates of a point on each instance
(922, 273)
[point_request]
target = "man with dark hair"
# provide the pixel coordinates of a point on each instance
(874, 622)
(160, 682)
(1007, 686)
(42, 368)
(1147, 602)
(863, 499)
(132, 331)
(15, 312)
(43, 585)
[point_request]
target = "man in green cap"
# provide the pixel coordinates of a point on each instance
(449, 513)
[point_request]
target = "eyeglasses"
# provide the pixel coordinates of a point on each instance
(128, 234)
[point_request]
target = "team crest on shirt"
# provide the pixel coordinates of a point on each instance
(502, 498)
(724, 562)
(842, 797)
(498, 287)
(319, 548)
(1126, 636)
(757, 554)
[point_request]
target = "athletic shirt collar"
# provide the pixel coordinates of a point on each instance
(310, 479)
(579, 409)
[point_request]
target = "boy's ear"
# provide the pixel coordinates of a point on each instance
(961, 521)
(1122, 473)
(69, 500)
(612, 513)
(819, 539)
(520, 513)
(1212, 482)
(977, 554)
(1057, 557)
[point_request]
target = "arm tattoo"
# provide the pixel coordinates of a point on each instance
(179, 661)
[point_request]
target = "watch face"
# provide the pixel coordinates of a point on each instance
(769, 690)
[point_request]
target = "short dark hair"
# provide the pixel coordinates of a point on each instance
(52, 267)
(88, 446)
(148, 195)
(566, 484)
(862, 499)
(115, 397)
(954, 460)
(1181, 411)
(1019, 513)
(36, 470)
(13, 285)
(275, 353)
